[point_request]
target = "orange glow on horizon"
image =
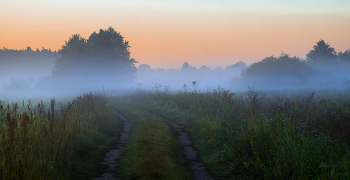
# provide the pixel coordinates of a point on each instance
(166, 40)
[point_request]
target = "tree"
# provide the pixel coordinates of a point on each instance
(144, 67)
(271, 68)
(28, 50)
(101, 60)
(344, 56)
(204, 68)
(322, 52)
(187, 67)
(238, 66)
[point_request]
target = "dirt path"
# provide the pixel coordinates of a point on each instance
(199, 169)
(112, 156)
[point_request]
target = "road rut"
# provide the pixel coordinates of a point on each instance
(199, 170)
(114, 154)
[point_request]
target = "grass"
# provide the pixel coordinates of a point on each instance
(302, 135)
(152, 150)
(252, 135)
(65, 142)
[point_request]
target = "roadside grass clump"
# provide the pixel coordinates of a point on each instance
(276, 149)
(257, 135)
(151, 151)
(58, 141)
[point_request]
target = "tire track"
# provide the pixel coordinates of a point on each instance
(114, 154)
(199, 170)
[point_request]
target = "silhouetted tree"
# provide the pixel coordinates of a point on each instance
(271, 68)
(238, 66)
(204, 68)
(344, 56)
(187, 67)
(28, 50)
(322, 52)
(26, 61)
(103, 58)
(144, 67)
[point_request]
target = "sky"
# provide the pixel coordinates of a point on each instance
(167, 33)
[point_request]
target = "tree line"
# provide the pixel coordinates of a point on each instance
(321, 60)
(103, 60)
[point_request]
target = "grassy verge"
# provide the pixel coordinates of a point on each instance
(253, 136)
(152, 150)
(56, 142)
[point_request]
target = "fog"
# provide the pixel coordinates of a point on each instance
(182, 79)
(33, 80)
(323, 77)
(102, 63)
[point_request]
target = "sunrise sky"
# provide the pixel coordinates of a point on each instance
(166, 33)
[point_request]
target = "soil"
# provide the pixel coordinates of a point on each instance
(114, 154)
(199, 170)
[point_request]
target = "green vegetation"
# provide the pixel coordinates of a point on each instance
(103, 54)
(152, 151)
(344, 56)
(254, 135)
(322, 52)
(258, 136)
(282, 67)
(300, 135)
(39, 142)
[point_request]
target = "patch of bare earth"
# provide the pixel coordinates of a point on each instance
(111, 157)
(199, 170)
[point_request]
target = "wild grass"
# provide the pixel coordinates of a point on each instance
(302, 135)
(58, 141)
(152, 151)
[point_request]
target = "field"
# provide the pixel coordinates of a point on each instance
(61, 141)
(246, 135)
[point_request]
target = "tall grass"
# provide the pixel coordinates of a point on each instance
(254, 135)
(48, 142)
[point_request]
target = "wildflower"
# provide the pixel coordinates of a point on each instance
(301, 134)
(312, 131)
(251, 128)
(316, 135)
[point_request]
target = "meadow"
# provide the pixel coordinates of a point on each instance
(56, 140)
(257, 135)
(242, 135)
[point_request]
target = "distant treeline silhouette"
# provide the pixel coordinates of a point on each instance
(26, 65)
(9, 55)
(103, 60)
(323, 65)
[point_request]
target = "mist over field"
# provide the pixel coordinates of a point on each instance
(103, 62)
(182, 79)
(174, 89)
